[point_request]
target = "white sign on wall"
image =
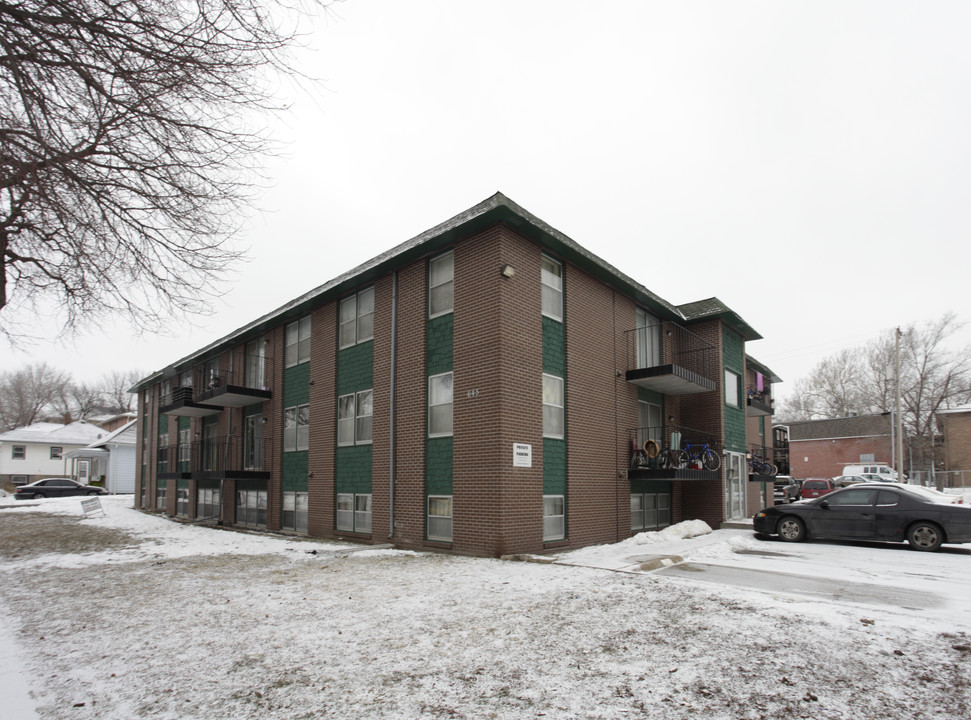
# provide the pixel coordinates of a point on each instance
(522, 455)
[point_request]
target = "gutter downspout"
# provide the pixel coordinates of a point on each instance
(394, 360)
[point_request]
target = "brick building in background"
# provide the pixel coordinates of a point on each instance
(955, 427)
(820, 448)
(479, 389)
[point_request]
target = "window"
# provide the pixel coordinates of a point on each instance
(648, 340)
(732, 388)
(160, 497)
(255, 364)
(441, 285)
(354, 418)
(19, 479)
(19, 452)
(182, 502)
(251, 507)
(253, 442)
(554, 520)
(354, 512)
(440, 518)
(296, 428)
(440, 405)
(56, 452)
(295, 511)
(552, 279)
(553, 425)
(185, 448)
(298, 342)
(357, 318)
(650, 511)
(887, 498)
(207, 503)
(853, 496)
(650, 425)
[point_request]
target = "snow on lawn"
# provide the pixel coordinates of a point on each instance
(134, 616)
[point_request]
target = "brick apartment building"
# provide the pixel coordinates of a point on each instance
(820, 448)
(480, 388)
(955, 427)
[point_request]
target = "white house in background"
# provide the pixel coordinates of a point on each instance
(37, 451)
(112, 456)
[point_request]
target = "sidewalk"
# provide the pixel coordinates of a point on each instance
(17, 703)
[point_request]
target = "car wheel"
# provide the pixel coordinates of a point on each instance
(792, 529)
(925, 536)
(93, 492)
(37, 495)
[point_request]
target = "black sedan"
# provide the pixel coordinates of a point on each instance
(872, 511)
(55, 487)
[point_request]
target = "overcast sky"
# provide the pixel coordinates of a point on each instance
(805, 162)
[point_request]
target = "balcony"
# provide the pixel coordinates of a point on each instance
(676, 454)
(213, 388)
(670, 359)
(758, 403)
(759, 462)
(216, 459)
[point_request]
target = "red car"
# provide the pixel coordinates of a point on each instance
(817, 487)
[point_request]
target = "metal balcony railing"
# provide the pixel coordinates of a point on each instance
(217, 456)
(670, 358)
(665, 438)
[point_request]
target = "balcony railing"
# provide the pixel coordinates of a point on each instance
(761, 463)
(759, 402)
(671, 359)
(237, 381)
(216, 458)
(655, 452)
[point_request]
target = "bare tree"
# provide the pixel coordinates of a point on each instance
(933, 376)
(125, 151)
(25, 394)
(113, 391)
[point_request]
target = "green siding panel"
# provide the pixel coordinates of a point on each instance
(355, 368)
(554, 347)
(353, 469)
(733, 357)
(438, 345)
(554, 466)
(438, 466)
(163, 424)
(294, 472)
(296, 385)
(185, 423)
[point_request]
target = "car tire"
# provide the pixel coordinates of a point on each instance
(93, 492)
(37, 495)
(791, 529)
(925, 536)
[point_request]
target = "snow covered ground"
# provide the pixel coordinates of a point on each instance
(134, 616)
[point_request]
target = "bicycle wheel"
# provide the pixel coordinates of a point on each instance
(638, 459)
(683, 460)
(711, 460)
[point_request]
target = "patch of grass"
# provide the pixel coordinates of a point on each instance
(26, 536)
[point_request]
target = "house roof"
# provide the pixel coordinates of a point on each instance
(955, 410)
(714, 308)
(76, 433)
(497, 209)
(859, 426)
(125, 435)
(764, 369)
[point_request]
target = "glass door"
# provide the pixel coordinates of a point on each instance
(734, 486)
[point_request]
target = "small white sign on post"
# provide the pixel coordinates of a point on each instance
(522, 455)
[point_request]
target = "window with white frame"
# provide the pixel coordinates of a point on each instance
(298, 342)
(733, 382)
(207, 503)
(251, 507)
(650, 511)
(648, 344)
(254, 364)
(355, 413)
(160, 493)
(18, 452)
(56, 452)
(440, 405)
(439, 525)
(441, 285)
(354, 512)
(357, 318)
(553, 420)
(296, 428)
(552, 279)
(554, 518)
(295, 506)
(19, 479)
(185, 446)
(182, 502)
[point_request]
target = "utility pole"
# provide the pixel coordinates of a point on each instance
(898, 422)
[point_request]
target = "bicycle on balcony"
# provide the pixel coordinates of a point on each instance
(759, 466)
(701, 456)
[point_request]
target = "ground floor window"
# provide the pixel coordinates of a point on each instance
(19, 479)
(182, 501)
(207, 503)
(354, 512)
(440, 518)
(295, 511)
(649, 511)
(251, 507)
(160, 496)
(554, 518)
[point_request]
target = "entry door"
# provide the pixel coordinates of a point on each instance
(734, 486)
(253, 442)
(83, 472)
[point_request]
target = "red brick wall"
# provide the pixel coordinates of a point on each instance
(323, 420)
(826, 457)
(957, 441)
